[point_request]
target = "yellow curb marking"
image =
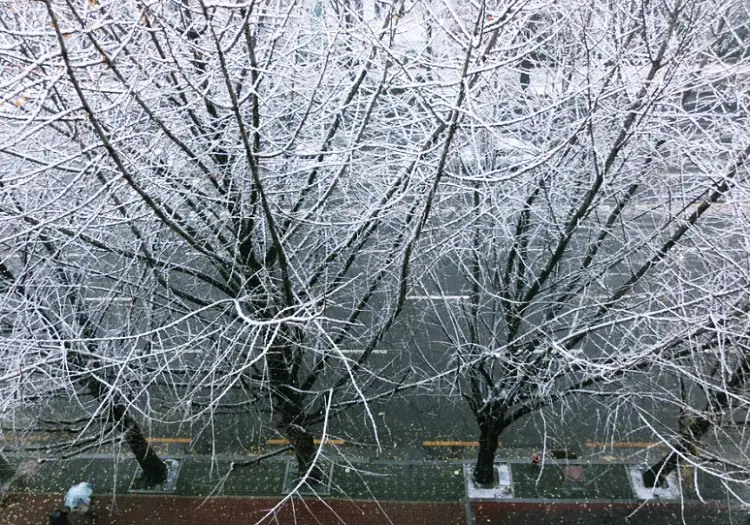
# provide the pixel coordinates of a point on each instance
(42, 437)
(282, 441)
(169, 440)
(451, 444)
(623, 444)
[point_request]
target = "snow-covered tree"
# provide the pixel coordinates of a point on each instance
(262, 184)
(253, 181)
(596, 211)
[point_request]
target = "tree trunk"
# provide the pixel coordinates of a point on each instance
(696, 428)
(154, 469)
(656, 475)
(288, 403)
(484, 470)
(5, 467)
(525, 75)
(304, 450)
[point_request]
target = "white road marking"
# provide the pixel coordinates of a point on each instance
(120, 299)
(345, 351)
(438, 297)
(377, 351)
(717, 207)
(574, 351)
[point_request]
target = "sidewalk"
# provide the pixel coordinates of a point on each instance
(360, 493)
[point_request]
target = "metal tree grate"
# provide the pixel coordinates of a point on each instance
(140, 485)
(671, 491)
(308, 487)
(503, 489)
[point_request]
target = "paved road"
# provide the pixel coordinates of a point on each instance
(418, 343)
(424, 420)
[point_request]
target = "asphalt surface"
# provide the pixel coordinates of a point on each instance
(354, 492)
(425, 422)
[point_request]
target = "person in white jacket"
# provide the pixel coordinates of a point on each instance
(78, 498)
